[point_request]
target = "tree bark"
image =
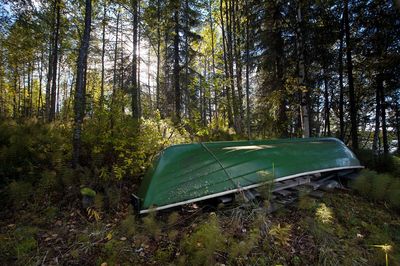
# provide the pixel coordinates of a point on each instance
(238, 62)
(176, 69)
(134, 92)
(227, 75)
(114, 87)
(341, 92)
(213, 62)
(40, 101)
(80, 90)
(55, 61)
(305, 121)
(375, 148)
(353, 109)
(247, 71)
(327, 124)
(383, 114)
(103, 51)
(158, 55)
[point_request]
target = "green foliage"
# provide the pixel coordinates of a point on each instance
(28, 148)
(19, 192)
(201, 245)
(164, 255)
(25, 239)
(381, 163)
(151, 225)
(378, 187)
(393, 193)
(128, 148)
(281, 234)
(324, 214)
(128, 225)
(242, 248)
(173, 218)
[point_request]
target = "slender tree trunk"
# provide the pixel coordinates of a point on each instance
(48, 84)
(353, 110)
(55, 61)
(177, 69)
(341, 92)
(148, 79)
(103, 52)
(327, 127)
(397, 120)
(79, 105)
(24, 92)
(305, 121)
(40, 101)
(58, 87)
(238, 61)
(139, 90)
(158, 54)
(30, 89)
(227, 75)
(134, 92)
(114, 87)
(247, 71)
(230, 43)
(186, 65)
(19, 95)
(213, 85)
(383, 114)
(377, 118)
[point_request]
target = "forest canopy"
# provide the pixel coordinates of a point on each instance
(256, 69)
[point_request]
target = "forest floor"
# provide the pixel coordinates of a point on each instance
(339, 229)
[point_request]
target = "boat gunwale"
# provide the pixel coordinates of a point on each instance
(226, 192)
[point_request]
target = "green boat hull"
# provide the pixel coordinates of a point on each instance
(188, 173)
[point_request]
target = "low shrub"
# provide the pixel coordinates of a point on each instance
(201, 245)
(378, 187)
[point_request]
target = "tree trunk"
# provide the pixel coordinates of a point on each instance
(176, 69)
(158, 55)
(213, 63)
(383, 114)
(79, 106)
(230, 43)
(55, 61)
(236, 18)
(114, 87)
(247, 72)
(327, 124)
(39, 102)
(305, 121)
(48, 84)
(134, 92)
(148, 79)
(103, 52)
(227, 76)
(341, 92)
(139, 90)
(375, 147)
(397, 121)
(353, 110)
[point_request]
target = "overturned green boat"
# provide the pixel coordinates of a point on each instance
(188, 173)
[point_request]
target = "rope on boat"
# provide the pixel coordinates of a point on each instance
(220, 164)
